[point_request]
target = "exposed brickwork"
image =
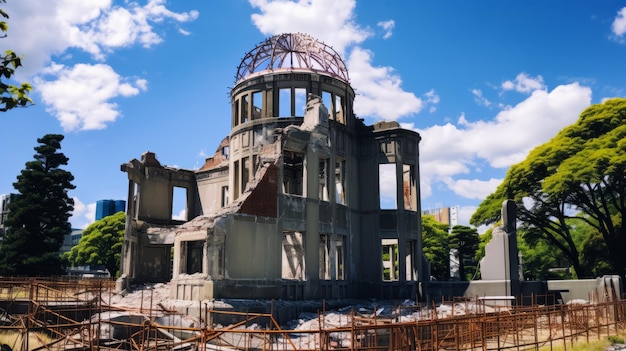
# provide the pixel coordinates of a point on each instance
(218, 157)
(263, 200)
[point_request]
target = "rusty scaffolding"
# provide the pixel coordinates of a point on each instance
(75, 315)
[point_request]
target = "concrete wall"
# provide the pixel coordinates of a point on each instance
(210, 184)
(248, 242)
(531, 292)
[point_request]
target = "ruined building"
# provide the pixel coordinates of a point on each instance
(289, 206)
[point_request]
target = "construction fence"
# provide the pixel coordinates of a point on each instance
(78, 315)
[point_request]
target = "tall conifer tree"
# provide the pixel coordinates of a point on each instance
(38, 215)
(465, 241)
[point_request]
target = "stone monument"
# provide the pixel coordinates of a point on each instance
(501, 261)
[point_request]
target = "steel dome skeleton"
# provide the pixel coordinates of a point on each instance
(292, 51)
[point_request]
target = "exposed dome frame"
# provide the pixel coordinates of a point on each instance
(292, 51)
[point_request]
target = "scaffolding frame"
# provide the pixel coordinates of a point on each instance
(68, 315)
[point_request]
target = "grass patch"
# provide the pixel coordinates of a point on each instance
(616, 339)
(597, 345)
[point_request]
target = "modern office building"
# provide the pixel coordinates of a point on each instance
(109, 207)
(290, 204)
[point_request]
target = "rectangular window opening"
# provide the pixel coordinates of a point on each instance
(339, 110)
(300, 101)
(323, 179)
(284, 103)
(245, 172)
(323, 257)
(411, 271)
(331, 257)
(340, 182)
(387, 186)
(327, 100)
(293, 173)
(194, 257)
(133, 208)
(236, 113)
(390, 259)
(409, 188)
(225, 196)
(244, 109)
(257, 105)
(293, 255)
(179, 204)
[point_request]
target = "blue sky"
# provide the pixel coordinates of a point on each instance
(483, 82)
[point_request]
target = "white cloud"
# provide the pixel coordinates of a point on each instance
(181, 216)
(619, 24)
(479, 98)
(464, 213)
(96, 27)
(473, 188)
(83, 215)
(450, 150)
(379, 91)
(524, 83)
(142, 84)
(431, 99)
(123, 27)
(387, 26)
(80, 96)
(515, 131)
(92, 26)
(331, 21)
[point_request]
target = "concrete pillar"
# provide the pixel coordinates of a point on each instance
(401, 213)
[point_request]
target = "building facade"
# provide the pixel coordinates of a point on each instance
(109, 207)
(5, 199)
(289, 206)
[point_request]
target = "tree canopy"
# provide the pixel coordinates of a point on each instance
(101, 244)
(436, 247)
(577, 177)
(465, 241)
(11, 95)
(38, 215)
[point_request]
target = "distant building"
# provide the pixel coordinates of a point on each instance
(446, 215)
(98, 271)
(104, 208)
(109, 207)
(70, 240)
(449, 216)
(5, 199)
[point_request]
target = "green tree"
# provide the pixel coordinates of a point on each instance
(436, 247)
(38, 215)
(595, 254)
(101, 244)
(465, 241)
(539, 260)
(11, 96)
(577, 177)
(485, 238)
